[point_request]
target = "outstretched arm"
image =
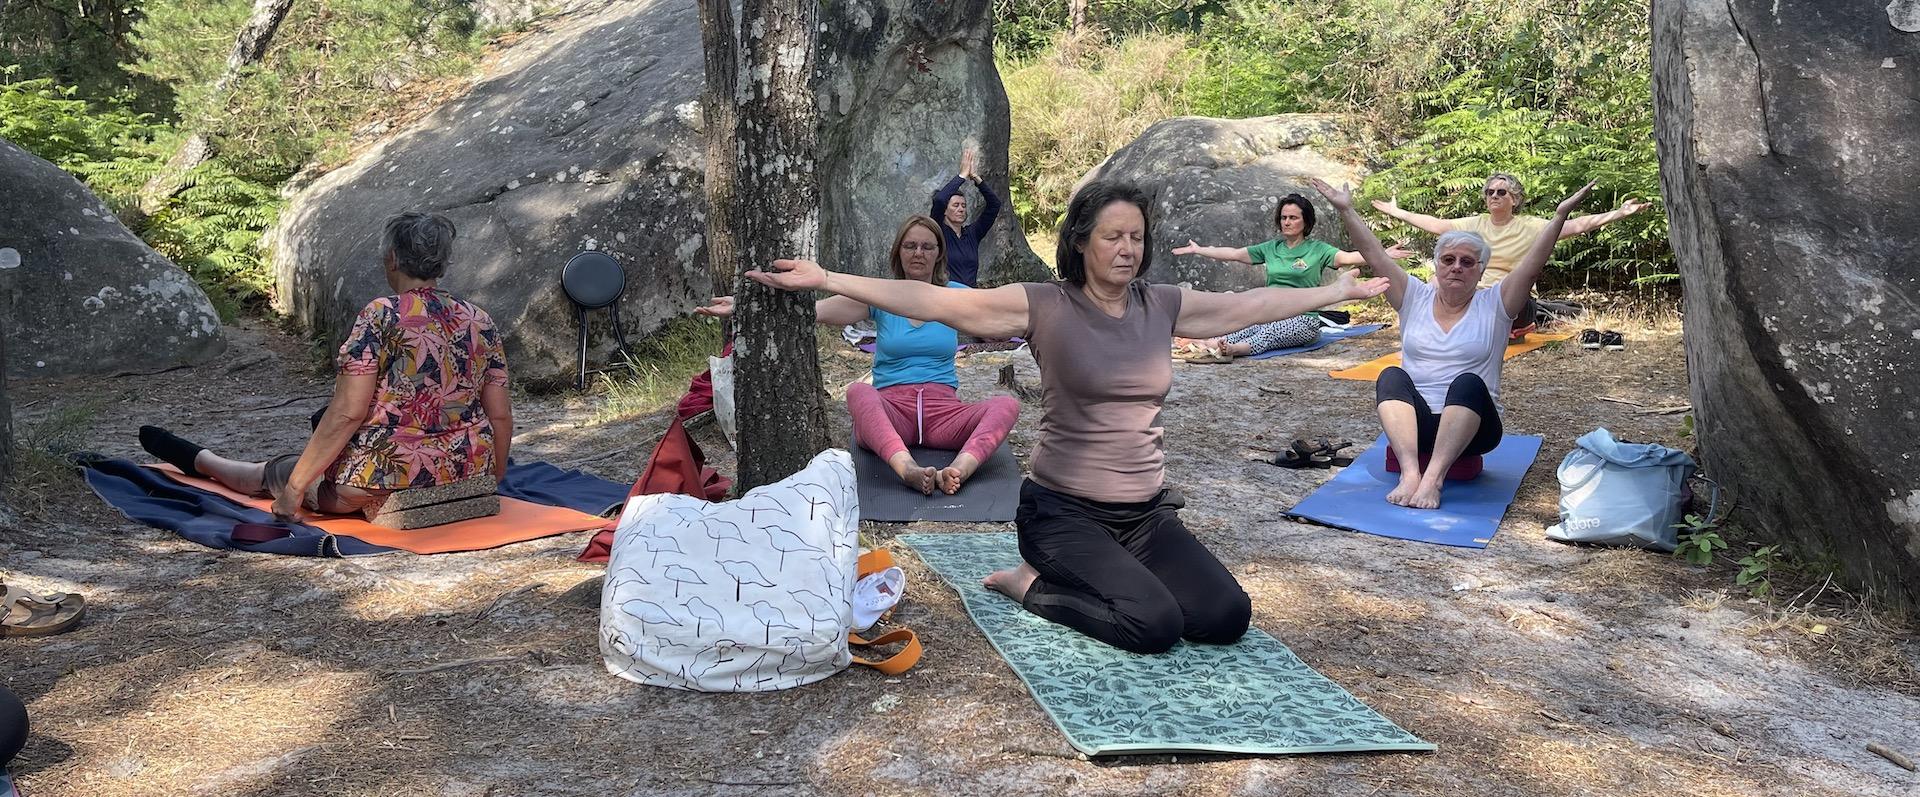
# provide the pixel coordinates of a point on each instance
(1518, 285)
(833, 311)
(1227, 253)
(1205, 314)
(987, 313)
(1397, 251)
(1365, 242)
(1433, 225)
(1593, 221)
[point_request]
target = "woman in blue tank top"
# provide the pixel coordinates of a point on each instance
(914, 398)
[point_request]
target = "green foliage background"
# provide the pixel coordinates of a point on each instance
(1436, 95)
(111, 103)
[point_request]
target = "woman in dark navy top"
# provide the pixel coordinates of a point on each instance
(963, 239)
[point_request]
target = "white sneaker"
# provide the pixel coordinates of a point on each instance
(875, 594)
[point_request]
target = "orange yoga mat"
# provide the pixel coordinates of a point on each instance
(1370, 370)
(518, 521)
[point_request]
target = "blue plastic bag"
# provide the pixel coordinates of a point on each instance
(1614, 493)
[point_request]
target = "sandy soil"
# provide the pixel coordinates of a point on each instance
(1565, 671)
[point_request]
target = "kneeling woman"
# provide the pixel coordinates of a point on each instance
(1453, 341)
(420, 400)
(915, 391)
(1105, 552)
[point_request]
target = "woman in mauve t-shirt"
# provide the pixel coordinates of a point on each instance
(1105, 552)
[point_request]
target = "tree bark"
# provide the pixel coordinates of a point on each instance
(717, 105)
(1076, 16)
(781, 408)
(248, 48)
(6, 409)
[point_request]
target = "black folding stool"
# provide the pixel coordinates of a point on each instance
(594, 280)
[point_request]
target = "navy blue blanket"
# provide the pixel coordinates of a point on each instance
(148, 496)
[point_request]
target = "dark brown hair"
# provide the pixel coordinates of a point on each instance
(1076, 228)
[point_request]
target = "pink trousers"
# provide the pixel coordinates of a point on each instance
(888, 419)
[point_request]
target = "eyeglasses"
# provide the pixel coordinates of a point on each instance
(910, 246)
(1457, 260)
(1496, 192)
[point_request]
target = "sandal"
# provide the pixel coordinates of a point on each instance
(23, 614)
(1321, 453)
(1201, 355)
(1290, 459)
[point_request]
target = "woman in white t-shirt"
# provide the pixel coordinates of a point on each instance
(1453, 335)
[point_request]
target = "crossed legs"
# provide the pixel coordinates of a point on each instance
(931, 415)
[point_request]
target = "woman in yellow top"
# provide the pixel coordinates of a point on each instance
(1505, 230)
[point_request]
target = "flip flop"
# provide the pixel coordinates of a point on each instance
(1324, 452)
(1291, 459)
(23, 614)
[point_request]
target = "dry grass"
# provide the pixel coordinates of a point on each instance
(656, 375)
(1844, 633)
(1074, 106)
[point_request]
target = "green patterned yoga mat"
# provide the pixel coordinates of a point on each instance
(1253, 696)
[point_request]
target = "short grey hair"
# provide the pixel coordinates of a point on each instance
(421, 244)
(1453, 238)
(1513, 184)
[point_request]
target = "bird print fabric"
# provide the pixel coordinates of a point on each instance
(749, 595)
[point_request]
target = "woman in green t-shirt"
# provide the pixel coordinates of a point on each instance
(1293, 261)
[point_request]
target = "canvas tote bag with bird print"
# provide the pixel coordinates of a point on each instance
(749, 595)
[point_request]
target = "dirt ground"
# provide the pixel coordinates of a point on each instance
(1565, 671)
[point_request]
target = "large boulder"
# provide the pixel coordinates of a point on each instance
(908, 85)
(1788, 132)
(1217, 182)
(88, 296)
(585, 134)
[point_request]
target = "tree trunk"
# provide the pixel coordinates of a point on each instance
(781, 408)
(1076, 16)
(248, 47)
(717, 104)
(6, 409)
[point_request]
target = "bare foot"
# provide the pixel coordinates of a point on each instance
(1425, 498)
(956, 474)
(1012, 583)
(1409, 484)
(912, 474)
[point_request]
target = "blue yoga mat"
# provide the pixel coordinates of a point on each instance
(1327, 336)
(541, 483)
(1253, 696)
(1469, 513)
(148, 496)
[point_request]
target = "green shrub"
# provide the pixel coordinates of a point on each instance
(1445, 91)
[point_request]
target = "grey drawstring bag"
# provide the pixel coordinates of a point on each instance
(1614, 493)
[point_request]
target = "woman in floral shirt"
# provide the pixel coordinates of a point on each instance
(420, 401)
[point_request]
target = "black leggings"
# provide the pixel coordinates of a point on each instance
(1467, 390)
(1129, 575)
(13, 726)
